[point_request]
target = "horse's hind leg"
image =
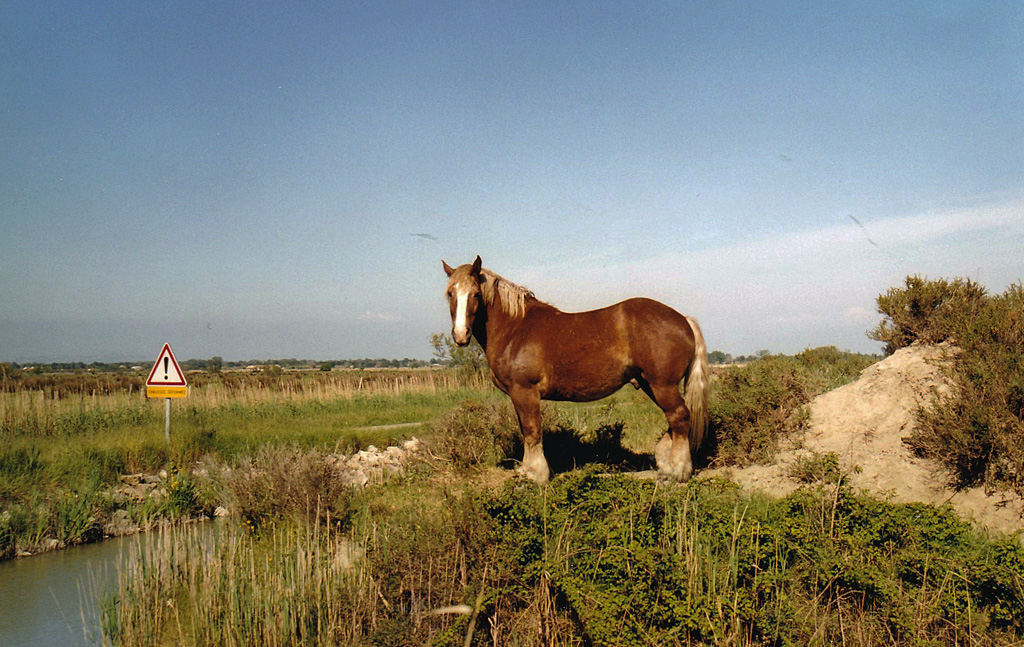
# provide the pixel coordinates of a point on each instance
(672, 454)
(527, 405)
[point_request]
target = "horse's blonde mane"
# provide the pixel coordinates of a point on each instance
(507, 295)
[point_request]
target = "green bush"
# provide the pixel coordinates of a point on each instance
(627, 563)
(72, 519)
(823, 468)
(930, 311)
(979, 432)
(8, 535)
(183, 499)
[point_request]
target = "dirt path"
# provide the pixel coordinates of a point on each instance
(399, 425)
(865, 423)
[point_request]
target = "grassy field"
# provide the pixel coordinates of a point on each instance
(455, 552)
(592, 559)
(64, 447)
(66, 439)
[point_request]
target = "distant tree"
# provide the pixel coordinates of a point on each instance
(469, 360)
(718, 357)
(326, 367)
(215, 364)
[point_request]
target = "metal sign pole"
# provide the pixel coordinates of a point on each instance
(167, 420)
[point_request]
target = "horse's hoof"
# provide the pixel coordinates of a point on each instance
(524, 474)
(674, 475)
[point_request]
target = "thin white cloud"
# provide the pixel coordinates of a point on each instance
(791, 290)
(932, 226)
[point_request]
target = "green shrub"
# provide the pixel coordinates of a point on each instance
(627, 563)
(930, 311)
(816, 468)
(8, 536)
(71, 516)
(182, 497)
(979, 432)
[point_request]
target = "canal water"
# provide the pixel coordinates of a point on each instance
(53, 599)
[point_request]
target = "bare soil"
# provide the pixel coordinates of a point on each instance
(865, 423)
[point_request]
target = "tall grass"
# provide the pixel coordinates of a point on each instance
(299, 583)
(588, 560)
(189, 587)
(62, 410)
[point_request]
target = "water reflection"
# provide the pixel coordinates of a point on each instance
(53, 599)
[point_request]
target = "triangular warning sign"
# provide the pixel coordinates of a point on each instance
(166, 371)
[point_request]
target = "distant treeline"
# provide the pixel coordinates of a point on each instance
(215, 364)
(718, 357)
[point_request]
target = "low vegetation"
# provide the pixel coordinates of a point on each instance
(68, 441)
(592, 559)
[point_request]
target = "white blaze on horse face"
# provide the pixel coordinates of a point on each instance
(460, 325)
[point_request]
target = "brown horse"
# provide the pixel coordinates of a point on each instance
(537, 352)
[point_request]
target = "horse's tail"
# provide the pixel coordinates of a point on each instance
(695, 391)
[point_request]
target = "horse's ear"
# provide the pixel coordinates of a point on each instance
(447, 268)
(475, 271)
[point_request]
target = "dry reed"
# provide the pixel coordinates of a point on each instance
(48, 412)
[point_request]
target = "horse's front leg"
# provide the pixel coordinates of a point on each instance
(527, 404)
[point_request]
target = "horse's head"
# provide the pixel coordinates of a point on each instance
(465, 298)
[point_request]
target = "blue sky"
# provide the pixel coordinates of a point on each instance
(258, 180)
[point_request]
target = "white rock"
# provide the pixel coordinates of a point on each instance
(360, 478)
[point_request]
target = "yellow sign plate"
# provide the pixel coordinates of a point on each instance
(166, 391)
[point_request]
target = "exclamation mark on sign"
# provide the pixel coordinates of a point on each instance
(167, 361)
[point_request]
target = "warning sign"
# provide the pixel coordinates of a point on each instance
(166, 380)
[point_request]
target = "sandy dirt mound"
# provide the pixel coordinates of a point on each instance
(865, 423)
